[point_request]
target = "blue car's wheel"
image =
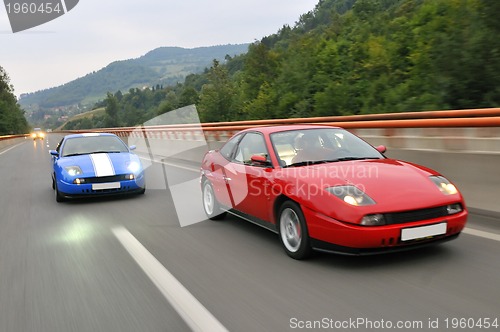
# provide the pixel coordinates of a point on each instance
(59, 197)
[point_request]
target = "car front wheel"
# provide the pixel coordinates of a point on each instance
(59, 197)
(210, 204)
(293, 231)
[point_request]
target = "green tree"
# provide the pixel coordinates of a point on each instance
(112, 107)
(216, 99)
(12, 120)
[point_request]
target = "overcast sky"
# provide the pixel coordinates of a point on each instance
(97, 32)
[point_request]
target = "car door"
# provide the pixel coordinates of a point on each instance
(249, 182)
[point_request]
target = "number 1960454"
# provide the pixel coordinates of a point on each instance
(34, 8)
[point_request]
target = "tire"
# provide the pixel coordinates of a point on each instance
(59, 198)
(293, 233)
(211, 206)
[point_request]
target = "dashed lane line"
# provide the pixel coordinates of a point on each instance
(483, 234)
(196, 316)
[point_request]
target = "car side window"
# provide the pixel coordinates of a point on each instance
(251, 144)
(58, 147)
(228, 148)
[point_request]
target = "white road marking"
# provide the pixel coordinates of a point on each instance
(196, 316)
(483, 234)
(12, 147)
(187, 168)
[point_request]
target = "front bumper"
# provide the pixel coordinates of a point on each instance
(69, 190)
(328, 234)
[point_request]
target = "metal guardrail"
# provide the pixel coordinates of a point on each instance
(216, 131)
(2, 138)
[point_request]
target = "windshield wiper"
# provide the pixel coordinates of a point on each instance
(316, 162)
(309, 162)
(104, 151)
(74, 154)
(354, 158)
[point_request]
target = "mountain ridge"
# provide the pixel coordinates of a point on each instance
(164, 65)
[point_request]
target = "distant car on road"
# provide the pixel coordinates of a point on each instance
(37, 134)
(324, 188)
(95, 164)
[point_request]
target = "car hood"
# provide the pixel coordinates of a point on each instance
(390, 183)
(100, 164)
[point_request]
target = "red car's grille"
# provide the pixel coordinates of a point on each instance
(415, 215)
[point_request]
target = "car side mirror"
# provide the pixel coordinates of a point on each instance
(54, 153)
(259, 160)
(381, 148)
(132, 147)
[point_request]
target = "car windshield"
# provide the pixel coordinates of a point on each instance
(313, 146)
(92, 144)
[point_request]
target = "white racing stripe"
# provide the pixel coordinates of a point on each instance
(196, 316)
(483, 234)
(102, 164)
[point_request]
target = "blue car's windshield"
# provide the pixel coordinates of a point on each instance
(92, 144)
(313, 146)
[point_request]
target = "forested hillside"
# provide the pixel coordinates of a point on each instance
(162, 66)
(346, 57)
(12, 119)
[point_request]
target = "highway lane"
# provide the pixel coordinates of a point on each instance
(63, 269)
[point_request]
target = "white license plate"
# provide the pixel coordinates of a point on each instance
(423, 231)
(102, 186)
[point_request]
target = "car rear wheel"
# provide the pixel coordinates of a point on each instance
(293, 231)
(210, 204)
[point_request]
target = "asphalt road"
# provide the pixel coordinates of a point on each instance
(64, 268)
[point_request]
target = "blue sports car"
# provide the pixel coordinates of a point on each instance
(95, 164)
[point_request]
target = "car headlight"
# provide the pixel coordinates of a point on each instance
(445, 186)
(373, 220)
(134, 167)
(79, 181)
(73, 170)
(454, 208)
(351, 195)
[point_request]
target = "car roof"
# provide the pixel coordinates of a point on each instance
(88, 135)
(280, 128)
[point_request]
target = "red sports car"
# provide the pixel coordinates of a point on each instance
(324, 188)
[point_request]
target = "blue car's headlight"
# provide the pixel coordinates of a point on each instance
(134, 167)
(445, 186)
(73, 170)
(351, 195)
